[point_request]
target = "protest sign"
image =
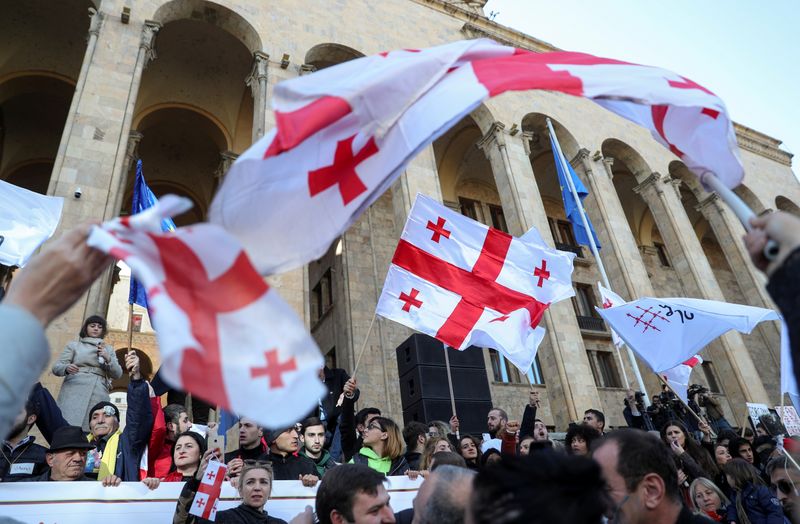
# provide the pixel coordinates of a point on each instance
(790, 419)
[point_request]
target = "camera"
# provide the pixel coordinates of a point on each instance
(78, 192)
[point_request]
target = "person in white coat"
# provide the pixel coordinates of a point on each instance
(88, 366)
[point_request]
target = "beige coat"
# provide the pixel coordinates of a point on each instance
(90, 384)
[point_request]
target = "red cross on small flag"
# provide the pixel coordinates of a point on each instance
(205, 500)
(223, 333)
(611, 299)
(478, 286)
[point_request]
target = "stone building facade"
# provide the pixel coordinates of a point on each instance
(89, 86)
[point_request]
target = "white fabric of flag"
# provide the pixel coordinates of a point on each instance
(206, 498)
(224, 335)
(344, 134)
(664, 332)
(679, 376)
(27, 219)
(611, 299)
(468, 284)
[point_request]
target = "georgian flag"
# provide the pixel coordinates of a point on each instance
(611, 299)
(205, 500)
(665, 332)
(345, 133)
(224, 335)
(468, 284)
(678, 377)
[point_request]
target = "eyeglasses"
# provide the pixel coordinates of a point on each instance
(374, 426)
(786, 487)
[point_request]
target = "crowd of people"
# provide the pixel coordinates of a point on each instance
(667, 467)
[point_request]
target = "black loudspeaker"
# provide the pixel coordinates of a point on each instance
(471, 413)
(424, 390)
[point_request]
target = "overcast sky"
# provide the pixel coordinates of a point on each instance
(746, 52)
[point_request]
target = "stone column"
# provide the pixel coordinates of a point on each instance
(699, 281)
(226, 159)
(523, 208)
(258, 86)
(623, 262)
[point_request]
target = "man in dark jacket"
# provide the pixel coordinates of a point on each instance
(286, 464)
(339, 385)
(312, 441)
(23, 457)
(66, 456)
(415, 434)
(251, 446)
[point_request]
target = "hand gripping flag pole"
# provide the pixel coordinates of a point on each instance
(596, 254)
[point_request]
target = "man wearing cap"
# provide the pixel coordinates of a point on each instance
(66, 456)
(286, 463)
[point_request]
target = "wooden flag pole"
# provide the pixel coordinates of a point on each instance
(130, 326)
(450, 385)
(360, 354)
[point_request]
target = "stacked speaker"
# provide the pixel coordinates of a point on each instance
(424, 391)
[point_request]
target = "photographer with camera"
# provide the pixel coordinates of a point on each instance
(701, 396)
(636, 416)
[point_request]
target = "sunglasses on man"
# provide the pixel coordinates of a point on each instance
(785, 487)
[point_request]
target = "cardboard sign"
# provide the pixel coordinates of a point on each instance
(754, 411)
(790, 419)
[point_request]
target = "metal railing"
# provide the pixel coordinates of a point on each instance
(578, 250)
(591, 323)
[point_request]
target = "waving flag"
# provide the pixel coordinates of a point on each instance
(678, 377)
(143, 198)
(27, 220)
(611, 299)
(345, 133)
(665, 332)
(205, 500)
(572, 208)
(224, 335)
(468, 284)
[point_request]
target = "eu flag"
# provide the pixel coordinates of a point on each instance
(570, 206)
(143, 198)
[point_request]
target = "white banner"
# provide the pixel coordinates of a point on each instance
(133, 503)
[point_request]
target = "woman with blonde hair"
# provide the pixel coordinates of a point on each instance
(433, 445)
(707, 499)
(383, 448)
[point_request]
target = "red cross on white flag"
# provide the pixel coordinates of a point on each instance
(205, 500)
(468, 284)
(611, 299)
(345, 133)
(665, 332)
(224, 335)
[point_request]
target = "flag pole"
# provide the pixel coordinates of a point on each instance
(686, 404)
(450, 385)
(130, 325)
(360, 354)
(600, 265)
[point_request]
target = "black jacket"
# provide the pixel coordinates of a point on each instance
(290, 467)
(246, 454)
(351, 442)
(26, 461)
(413, 458)
(528, 421)
(239, 515)
(687, 517)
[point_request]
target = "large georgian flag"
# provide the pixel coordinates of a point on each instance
(345, 133)
(224, 335)
(468, 284)
(665, 332)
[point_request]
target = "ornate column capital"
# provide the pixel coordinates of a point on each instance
(96, 19)
(148, 42)
(258, 72)
(527, 137)
(307, 69)
(580, 158)
(651, 182)
(495, 135)
(709, 206)
(226, 159)
(134, 137)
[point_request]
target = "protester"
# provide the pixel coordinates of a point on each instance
(353, 493)
(449, 458)
(383, 448)
(338, 385)
(352, 427)
(784, 479)
(707, 499)
(168, 423)
(579, 439)
(525, 445)
(251, 446)
(88, 366)
(468, 448)
(540, 433)
(433, 445)
(444, 496)
(721, 454)
(437, 428)
(549, 488)
(284, 445)
(596, 419)
(763, 447)
(414, 435)
(187, 454)
(703, 398)
(254, 486)
(741, 448)
(642, 479)
(692, 458)
(22, 457)
(490, 457)
(50, 283)
(528, 425)
(496, 422)
(66, 456)
(312, 438)
(751, 501)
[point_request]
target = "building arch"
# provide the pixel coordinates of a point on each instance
(329, 54)
(210, 13)
(784, 204)
(145, 368)
(536, 124)
(749, 198)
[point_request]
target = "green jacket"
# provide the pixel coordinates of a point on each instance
(324, 463)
